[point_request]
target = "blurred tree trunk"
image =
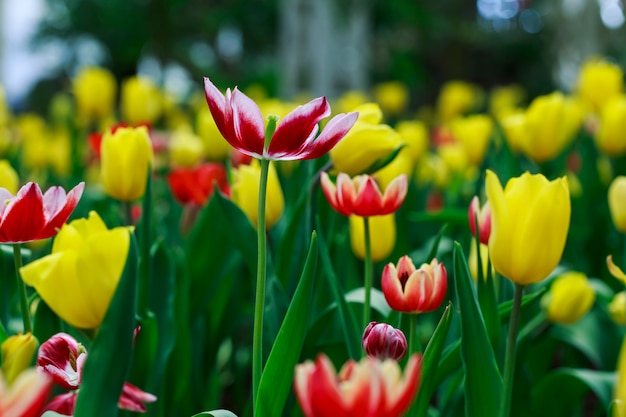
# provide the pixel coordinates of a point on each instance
(324, 46)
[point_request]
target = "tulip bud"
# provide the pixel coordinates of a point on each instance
(185, 148)
(17, 353)
(94, 91)
(617, 203)
(472, 261)
(610, 137)
(483, 216)
(617, 308)
(393, 97)
(382, 232)
(141, 100)
(570, 298)
(415, 135)
(474, 133)
(382, 341)
(456, 98)
(598, 81)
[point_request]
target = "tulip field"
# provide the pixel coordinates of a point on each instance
(233, 254)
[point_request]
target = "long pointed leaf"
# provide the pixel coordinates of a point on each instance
(216, 413)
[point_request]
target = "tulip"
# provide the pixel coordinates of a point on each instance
(362, 196)
(215, 146)
(403, 163)
(366, 144)
(241, 123)
(141, 100)
(598, 81)
(416, 137)
(456, 98)
(474, 133)
(17, 353)
(185, 148)
(32, 216)
(9, 179)
(505, 99)
(530, 219)
(382, 341)
(195, 185)
(94, 90)
(351, 100)
(80, 298)
(126, 156)
(514, 129)
(382, 228)
(610, 137)
(370, 387)
(571, 296)
(617, 308)
(393, 97)
(26, 396)
(483, 217)
(617, 202)
(411, 290)
(245, 193)
(472, 261)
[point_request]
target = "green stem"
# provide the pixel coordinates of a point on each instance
(368, 272)
(257, 343)
(143, 299)
(414, 344)
(17, 259)
(511, 344)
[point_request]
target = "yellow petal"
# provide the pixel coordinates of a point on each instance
(615, 270)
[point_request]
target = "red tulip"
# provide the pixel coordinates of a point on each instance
(383, 341)
(369, 388)
(32, 216)
(484, 220)
(195, 185)
(412, 290)
(362, 196)
(240, 121)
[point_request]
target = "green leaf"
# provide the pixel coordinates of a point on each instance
(573, 384)
(487, 298)
(378, 301)
(45, 322)
(483, 382)
(215, 413)
(277, 376)
(110, 354)
(383, 162)
(435, 248)
(430, 362)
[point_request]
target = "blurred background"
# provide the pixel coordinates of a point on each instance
(315, 47)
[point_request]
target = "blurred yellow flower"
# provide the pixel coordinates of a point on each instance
(611, 135)
(504, 100)
(350, 100)
(416, 137)
(78, 279)
(598, 81)
(571, 296)
(94, 90)
(514, 128)
(472, 261)
(185, 148)
(457, 98)
(529, 224)
(215, 146)
(615, 270)
(617, 202)
(126, 156)
(617, 308)
(141, 100)
(393, 97)
(432, 170)
(8, 177)
(403, 163)
(382, 234)
(17, 354)
(454, 156)
(60, 152)
(474, 133)
(245, 193)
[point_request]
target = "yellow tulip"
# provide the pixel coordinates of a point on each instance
(513, 127)
(366, 143)
(350, 100)
(60, 152)
(571, 296)
(126, 156)
(8, 177)
(94, 90)
(141, 100)
(17, 354)
(403, 163)
(382, 236)
(617, 308)
(78, 279)
(611, 135)
(214, 144)
(474, 133)
(472, 261)
(393, 97)
(245, 193)
(505, 99)
(454, 156)
(415, 135)
(617, 202)
(550, 125)
(457, 98)
(598, 81)
(185, 148)
(529, 223)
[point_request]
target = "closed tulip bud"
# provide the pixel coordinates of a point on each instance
(17, 354)
(393, 97)
(185, 148)
(571, 296)
(351, 100)
(94, 90)
(402, 164)
(598, 81)
(215, 146)
(366, 144)
(611, 135)
(617, 308)
(245, 193)
(474, 133)
(61, 278)
(8, 177)
(617, 202)
(505, 99)
(514, 129)
(483, 216)
(454, 157)
(382, 233)
(141, 100)
(411, 290)
(416, 137)
(126, 157)
(382, 341)
(530, 219)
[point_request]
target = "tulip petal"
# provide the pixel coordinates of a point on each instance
(333, 132)
(59, 358)
(325, 398)
(392, 288)
(394, 194)
(58, 207)
(615, 270)
(369, 199)
(248, 125)
(5, 197)
(26, 396)
(403, 396)
(63, 404)
(23, 218)
(221, 112)
(302, 386)
(134, 399)
(501, 241)
(346, 195)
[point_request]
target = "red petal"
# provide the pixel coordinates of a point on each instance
(302, 386)
(334, 131)
(392, 289)
(221, 112)
(23, 219)
(411, 383)
(346, 194)
(181, 182)
(248, 125)
(298, 129)
(63, 404)
(134, 399)
(369, 200)
(58, 207)
(55, 359)
(326, 399)
(472, 214)
(395, 194)
(330, 191)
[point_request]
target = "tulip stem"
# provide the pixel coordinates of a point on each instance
(414, 343)
(257, 342)
(511, 344)
(17, 259)
(368, 272)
